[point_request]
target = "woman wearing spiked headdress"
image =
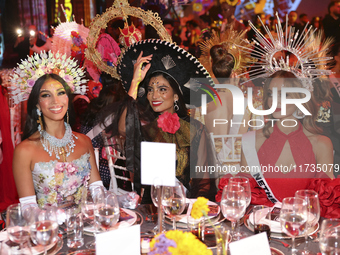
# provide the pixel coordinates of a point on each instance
(52, 163)
(289, 154)
(156, 109)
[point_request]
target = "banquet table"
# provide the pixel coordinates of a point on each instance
(147, 226)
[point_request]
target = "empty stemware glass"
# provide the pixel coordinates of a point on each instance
(173, 201)
(330, 237)
(44, 226)
(293, 218)
(313, 209)
(155, 189)
(233, 205)
(243, 182)
(106, 212)
(17, 225)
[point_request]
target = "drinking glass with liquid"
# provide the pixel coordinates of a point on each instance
(75, 227)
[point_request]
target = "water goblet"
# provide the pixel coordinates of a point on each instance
(44, 226)
(233, 205)
(17, 226)
(173, 201)
(313, 212)
(106, 212)
(243, 182)
(89, 198)
(293, 218)
(156, 190)
(330, 237)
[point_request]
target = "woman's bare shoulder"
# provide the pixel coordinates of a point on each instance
(27, 148)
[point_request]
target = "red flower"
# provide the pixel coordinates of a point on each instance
(169, 122)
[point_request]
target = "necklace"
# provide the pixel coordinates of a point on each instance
(64, 146)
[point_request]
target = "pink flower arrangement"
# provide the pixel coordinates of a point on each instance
(169, 122)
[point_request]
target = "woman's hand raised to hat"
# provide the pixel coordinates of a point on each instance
(139, 72)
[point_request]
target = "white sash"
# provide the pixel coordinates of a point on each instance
(250, 153)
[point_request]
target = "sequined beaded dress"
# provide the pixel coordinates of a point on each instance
(58, 182)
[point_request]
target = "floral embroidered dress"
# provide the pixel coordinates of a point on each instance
(58, 182)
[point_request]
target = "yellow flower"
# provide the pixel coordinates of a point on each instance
(187, 244)
(59, 177)
(52, 198)
(199, 207)
(41, 202)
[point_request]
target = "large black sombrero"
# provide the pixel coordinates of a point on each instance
(193, 79)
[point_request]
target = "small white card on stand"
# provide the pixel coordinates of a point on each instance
(124, 241)
(158, 163)
(254, 245)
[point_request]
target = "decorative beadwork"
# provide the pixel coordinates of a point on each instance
(57, 146)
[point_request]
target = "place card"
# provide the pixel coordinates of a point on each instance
(124, 241)
(254, 245)
(158, 163)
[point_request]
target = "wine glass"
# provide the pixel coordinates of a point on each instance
(44, 226)
(90, 196)
(155, 190)
(106, 212)
(293, 218)
(243, 182)
(88, 200)
(330, 237)
(233, 205)
(17, 225)
(313, 212)
(173, 201)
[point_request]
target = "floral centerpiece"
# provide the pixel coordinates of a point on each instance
(200, 209)
(176, 242)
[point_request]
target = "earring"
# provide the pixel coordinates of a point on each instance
(298, 114)
(67, 118)
(176, 107)
(39, 121)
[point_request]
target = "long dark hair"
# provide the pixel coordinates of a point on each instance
(31, 125)
(182, 111)
(112, 92)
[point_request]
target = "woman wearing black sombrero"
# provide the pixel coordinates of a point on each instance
(156, 75)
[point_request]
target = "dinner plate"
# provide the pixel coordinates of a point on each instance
(275, 251)
(11, 247)
(131, 215)
(280, 235)
(216, 220)
(183, 218)
(275, 225)
(83, 252)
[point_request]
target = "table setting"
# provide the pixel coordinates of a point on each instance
(278, 246)
(174, 223)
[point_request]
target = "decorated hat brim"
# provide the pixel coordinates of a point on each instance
(193, 79)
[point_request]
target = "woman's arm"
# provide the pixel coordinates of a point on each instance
(22, 172)
(139, 73)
